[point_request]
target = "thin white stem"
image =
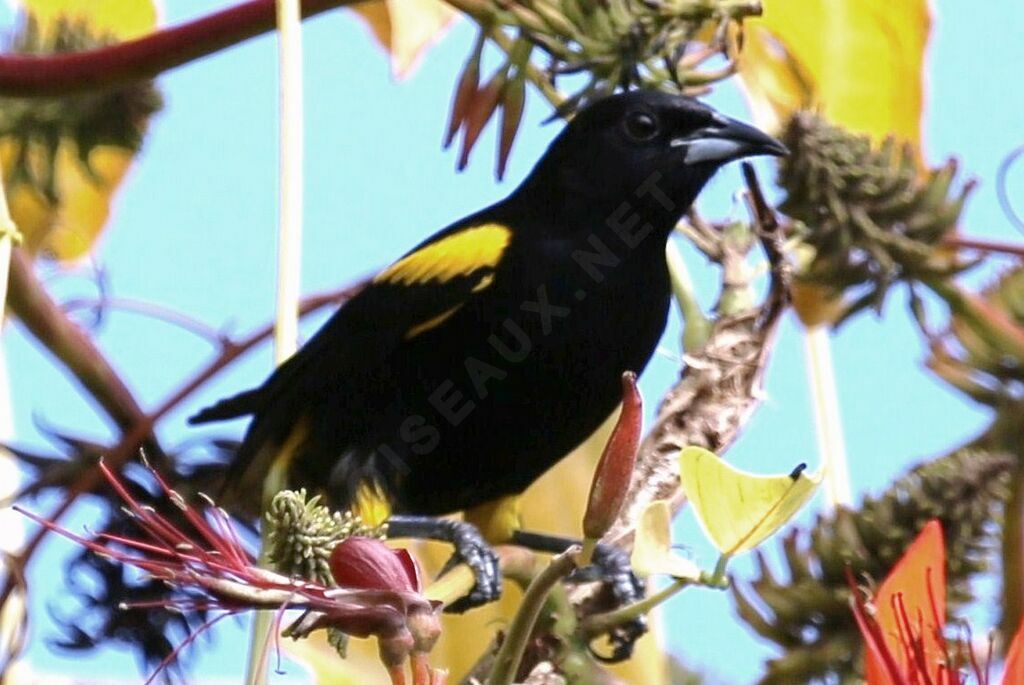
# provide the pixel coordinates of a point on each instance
(827, 421)
(289, 246)
(12, 528)
(7, 233)
(289, 255)
(12, 619)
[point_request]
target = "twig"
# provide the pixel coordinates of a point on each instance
(289, 235)
(985, 245)
(599, 624)
(9, 235)
(507, 661)
(722, 383)
(214, 336)
(74, 349)
(145, 57)
(517, 564)
(768, 224)
(696, 325)
(772, 233)
(827, 421)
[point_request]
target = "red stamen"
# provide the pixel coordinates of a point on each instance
(199, 523)
(189, 639)
(148, 519)
(242, 555)
(872, 632)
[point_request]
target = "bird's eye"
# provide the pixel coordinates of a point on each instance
(641, 126)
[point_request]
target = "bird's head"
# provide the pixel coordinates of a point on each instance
(652, 150)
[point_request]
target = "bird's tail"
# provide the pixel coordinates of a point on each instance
(242, 404)
(261, 453)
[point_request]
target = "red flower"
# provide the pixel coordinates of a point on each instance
(207, 567)
(904, 624)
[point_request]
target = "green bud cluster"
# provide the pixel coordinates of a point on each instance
(621, 43)
(301, 534)
(870, 215)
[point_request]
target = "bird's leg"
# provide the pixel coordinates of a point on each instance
(610, 565)
(470, 549)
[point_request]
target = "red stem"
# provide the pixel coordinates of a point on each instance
(144, 57)
(985, 245)
(72, 346)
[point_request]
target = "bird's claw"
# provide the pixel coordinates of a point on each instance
(612, 566)
(472, 550)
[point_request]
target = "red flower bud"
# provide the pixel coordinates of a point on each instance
(479, 112)
(615, 468)
(512, 102)
(464, 92)
(368, 564)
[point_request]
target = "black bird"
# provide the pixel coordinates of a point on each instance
(487, 353)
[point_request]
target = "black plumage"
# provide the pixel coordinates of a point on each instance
(482, 357)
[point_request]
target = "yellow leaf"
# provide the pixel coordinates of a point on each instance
(775, 84)
(406, 28)
(652, 545)
(859, 62)
(736, 509)
(554, 504)
(124, 19)
(66, 231)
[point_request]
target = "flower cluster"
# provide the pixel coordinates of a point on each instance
(209, 569)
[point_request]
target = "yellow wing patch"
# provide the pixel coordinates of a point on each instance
(459, 254)
(371, 505)
(432, 323)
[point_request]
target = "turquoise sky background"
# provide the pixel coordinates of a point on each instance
(194, 230)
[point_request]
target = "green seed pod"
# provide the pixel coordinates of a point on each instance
(872, 219)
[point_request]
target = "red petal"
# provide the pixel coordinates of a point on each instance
(919, 580)
(1014, 672)
(478, 112)
(369, 564)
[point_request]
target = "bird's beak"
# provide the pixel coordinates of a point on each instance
(726, 140)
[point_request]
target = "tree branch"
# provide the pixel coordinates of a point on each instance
(144, 57)
(137, 433)
(722, 383)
